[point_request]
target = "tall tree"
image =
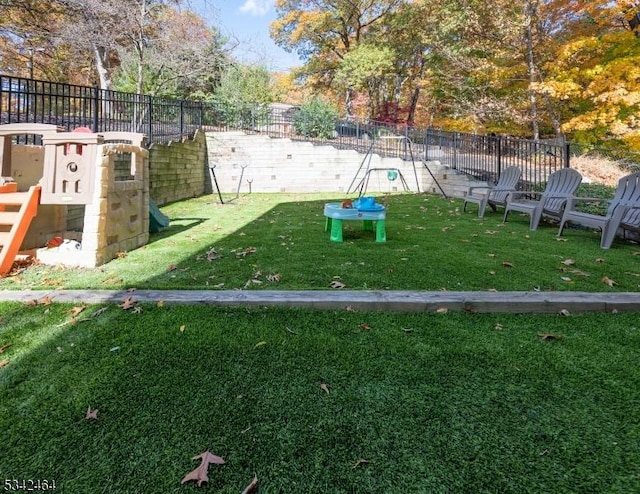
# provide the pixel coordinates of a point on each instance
(185, 57)
(595, 78)
(27, 44)
(323, 32)
(109, 28)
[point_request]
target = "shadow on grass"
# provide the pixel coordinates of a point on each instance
(176, 226)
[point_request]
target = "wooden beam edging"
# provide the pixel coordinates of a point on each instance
(376, 300)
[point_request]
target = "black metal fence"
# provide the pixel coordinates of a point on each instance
(162, 120)
(70, 106)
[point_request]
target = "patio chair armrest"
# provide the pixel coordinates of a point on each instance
(589, 199)
(514, 194)
(574, 199)
(470, 190)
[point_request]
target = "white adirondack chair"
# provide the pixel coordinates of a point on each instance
(623, 211)
(561, 185)
(493, 195)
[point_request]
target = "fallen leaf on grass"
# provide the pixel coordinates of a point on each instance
(442, 310)
(212, 255)
(564, 312)
(91, 414)
(608, 281)
(259, 344)
(171, 267)
(565, 278)
(360, 461)
(50, 282)
(578, 272)
(337, 284)
(4, 347)
(252, 486)
(549, 336)
(252, 281)
(246, 252)
(507, 264)
(274, 277)
(77, 310)
(200, 473)
(42, 301)
(561, 239)
(324, 388)
(102, 310)
(160, 303)
(127, 304)
(182, 328)
(4, 363)
(498, 326)
(137, 309)
(568, 262)
(600, 260)
(365, 327)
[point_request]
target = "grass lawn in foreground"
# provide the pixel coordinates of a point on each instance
(415, 403)
(277, 241)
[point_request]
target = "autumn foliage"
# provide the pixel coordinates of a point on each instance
(531, 68)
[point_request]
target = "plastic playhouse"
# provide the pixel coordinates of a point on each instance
(90, 191)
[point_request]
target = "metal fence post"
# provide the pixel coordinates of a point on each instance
(499, 148)
(181, 117)
(150, 111)
(567, 155)
(455, 151)
(96, 108)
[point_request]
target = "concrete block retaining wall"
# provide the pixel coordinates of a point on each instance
(178, 170)
(283, 165)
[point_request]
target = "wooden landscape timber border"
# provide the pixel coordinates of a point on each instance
(562, 303)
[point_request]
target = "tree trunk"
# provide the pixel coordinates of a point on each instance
(533, 102)
(100, 60)
(413, 105)
(139, 47)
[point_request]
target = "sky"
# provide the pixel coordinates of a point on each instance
(247, 23)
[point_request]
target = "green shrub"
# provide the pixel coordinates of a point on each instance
(316, 118)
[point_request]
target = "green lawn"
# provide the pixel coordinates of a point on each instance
(420, 402)
(415, 402)
(278, 242)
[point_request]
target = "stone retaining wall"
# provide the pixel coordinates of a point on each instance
(178, 169)
(283, 165)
